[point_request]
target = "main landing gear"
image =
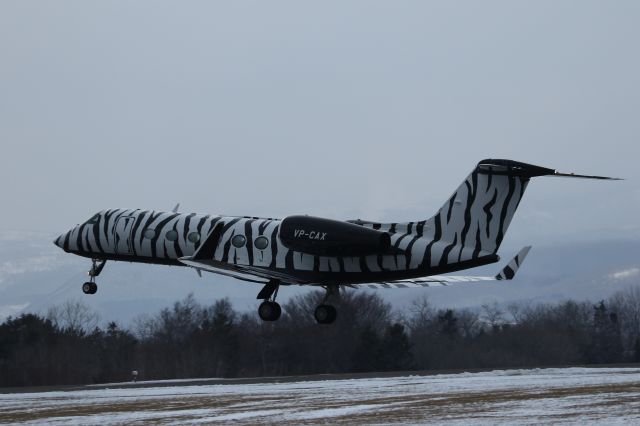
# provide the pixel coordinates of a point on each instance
(325, 313)
(270, 310)
(90, 287)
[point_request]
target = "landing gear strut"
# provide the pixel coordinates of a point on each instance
(325, 313)
(90, 287)
(269, 310)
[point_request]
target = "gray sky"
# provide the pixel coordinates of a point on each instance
(375, 110)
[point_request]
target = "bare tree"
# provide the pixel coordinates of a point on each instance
(627, 305)
(180, 322)
(144, 326)
(468, 322)
(422, 313)
(493, 314)
(73, 316)
(518, 311)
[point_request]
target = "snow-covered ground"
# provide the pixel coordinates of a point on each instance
(566, 396)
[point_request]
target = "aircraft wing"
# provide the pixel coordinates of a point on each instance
(241, 272)
(210, 267)
(202, 261)
(507, 273)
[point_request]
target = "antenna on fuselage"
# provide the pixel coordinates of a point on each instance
(175, 209)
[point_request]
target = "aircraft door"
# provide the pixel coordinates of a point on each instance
(122, 234)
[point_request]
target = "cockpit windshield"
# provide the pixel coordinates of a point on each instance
(94, 219)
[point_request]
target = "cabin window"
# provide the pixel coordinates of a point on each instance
(149, 233)
(261, 243)
(193, 237)
(171, 235)
(238, 241)
(94, 220)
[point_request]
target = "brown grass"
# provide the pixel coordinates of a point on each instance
(393, 409)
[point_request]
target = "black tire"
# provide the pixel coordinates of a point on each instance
(325, 314)
(87, 287)
(278, 311)
(94, 288)
(269, 311)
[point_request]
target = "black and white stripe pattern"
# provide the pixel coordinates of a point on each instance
(470, 225)
(466, 231)
(507, 273)
(108, 236)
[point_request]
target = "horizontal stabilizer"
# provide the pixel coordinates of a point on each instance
(517, 168)
(573, 175)
(507, 273)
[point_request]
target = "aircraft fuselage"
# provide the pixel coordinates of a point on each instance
(250, 242)
(465, 232)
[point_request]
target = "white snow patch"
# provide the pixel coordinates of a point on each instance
(151, 382)
(333, 412)
(517, 397)
(32, 264)
(625, 273)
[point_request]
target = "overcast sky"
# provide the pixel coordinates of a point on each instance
(375, 110)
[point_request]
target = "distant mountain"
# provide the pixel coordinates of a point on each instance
(34, 275)
(578, 271)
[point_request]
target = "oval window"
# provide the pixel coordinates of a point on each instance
(193, 237)
(149, 233)
(261, 243)
(238, 241)
(172, 235)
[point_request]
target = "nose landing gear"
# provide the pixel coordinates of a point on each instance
(90, 287)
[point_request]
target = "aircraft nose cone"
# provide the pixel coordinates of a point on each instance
(60, 241)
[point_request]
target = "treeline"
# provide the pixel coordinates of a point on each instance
(188, 340)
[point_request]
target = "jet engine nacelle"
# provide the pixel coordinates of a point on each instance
(327, 237)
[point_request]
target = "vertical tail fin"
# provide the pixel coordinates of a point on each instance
(479, 212)
(473, 221)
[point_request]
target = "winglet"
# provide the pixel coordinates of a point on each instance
(175, 209)
(208, 248)
(509, 271)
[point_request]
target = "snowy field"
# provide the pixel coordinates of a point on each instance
(558, 395)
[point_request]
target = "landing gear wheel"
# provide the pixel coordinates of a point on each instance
(89, 288)
(86, 288)
(269, 311)
(325, 314)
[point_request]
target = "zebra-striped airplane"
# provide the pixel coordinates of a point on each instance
(465, 232)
